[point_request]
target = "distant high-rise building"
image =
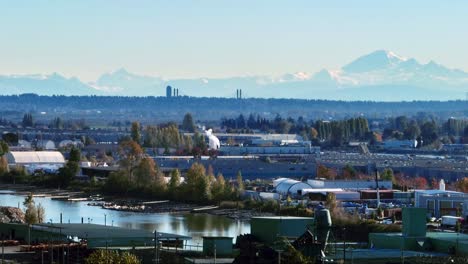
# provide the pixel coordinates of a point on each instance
(168, 91)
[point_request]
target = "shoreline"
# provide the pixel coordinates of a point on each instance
(131, 204)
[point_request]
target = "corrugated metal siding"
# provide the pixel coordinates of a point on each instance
(26, 157)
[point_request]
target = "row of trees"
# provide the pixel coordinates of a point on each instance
(168, 136)
(336, 132)
(56, 123)
(399, 180)
(140, 175)
(430, 130)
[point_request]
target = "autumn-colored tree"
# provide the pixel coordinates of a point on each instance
(135, 132)
(324, 172)
(313, 133)
(349, 172)
(240, 182)
(434, 184)
(145, 172)
(197, 184)
(420, 183)
(131, 154)
(111, 256)
(34, 214)
(462, 185)
(387, 175)
(218, 189)
(174, 183)
(330, 202)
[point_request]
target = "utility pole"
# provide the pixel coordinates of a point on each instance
(3, 250)
(344, 245)
(377, 185)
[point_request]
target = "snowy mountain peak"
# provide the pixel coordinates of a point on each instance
(377, 60)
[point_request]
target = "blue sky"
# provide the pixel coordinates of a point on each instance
(212, 38)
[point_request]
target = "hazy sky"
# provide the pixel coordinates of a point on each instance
(213, 38)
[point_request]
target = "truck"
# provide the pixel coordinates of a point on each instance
(448, 220)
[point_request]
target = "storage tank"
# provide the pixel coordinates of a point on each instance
(323, 218)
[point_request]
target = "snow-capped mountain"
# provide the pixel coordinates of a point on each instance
(381, 75)
(44, 84)
(121, 82)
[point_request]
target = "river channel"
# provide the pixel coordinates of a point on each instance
(194, 225)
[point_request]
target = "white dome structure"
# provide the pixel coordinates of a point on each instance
(291, 187)
(213, 140)
(278, 181)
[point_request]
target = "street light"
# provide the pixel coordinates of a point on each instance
(105, 220)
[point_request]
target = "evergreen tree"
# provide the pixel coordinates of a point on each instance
(135, 132)
(240, 182)
(187, 123)
(27, 120)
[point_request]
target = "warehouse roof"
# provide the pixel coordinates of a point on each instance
(102, 235)
(44, 157)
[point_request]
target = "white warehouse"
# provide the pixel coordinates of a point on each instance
(33, 160)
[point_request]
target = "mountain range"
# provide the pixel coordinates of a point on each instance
(381, 76)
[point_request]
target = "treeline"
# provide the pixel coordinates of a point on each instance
(336, 132)
(427, 130)
(168, 136)
(140, 176)
(169, 108)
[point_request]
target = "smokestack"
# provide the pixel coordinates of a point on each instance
(240, 93)
(177, 92)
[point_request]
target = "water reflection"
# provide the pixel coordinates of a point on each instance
(194, 225)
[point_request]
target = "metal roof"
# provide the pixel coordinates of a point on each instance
(44, 157)
(102, 235)
(90, 231)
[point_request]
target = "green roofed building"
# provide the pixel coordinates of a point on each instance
(95, 235)
(221, 245)
(269, 229)
(415, 238)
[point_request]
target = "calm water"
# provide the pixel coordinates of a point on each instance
(194, 225)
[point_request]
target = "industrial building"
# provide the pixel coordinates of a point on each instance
(45, 145)
(252, 167)
(441, 202)
(48, 161)
(352, 185)
(293, 148)
(415, 238)
(270, 229)
(344, 190)
(291, 187)
(32, 158)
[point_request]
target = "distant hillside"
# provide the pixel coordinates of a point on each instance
(172, 109)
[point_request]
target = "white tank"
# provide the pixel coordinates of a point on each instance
(442, 185)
